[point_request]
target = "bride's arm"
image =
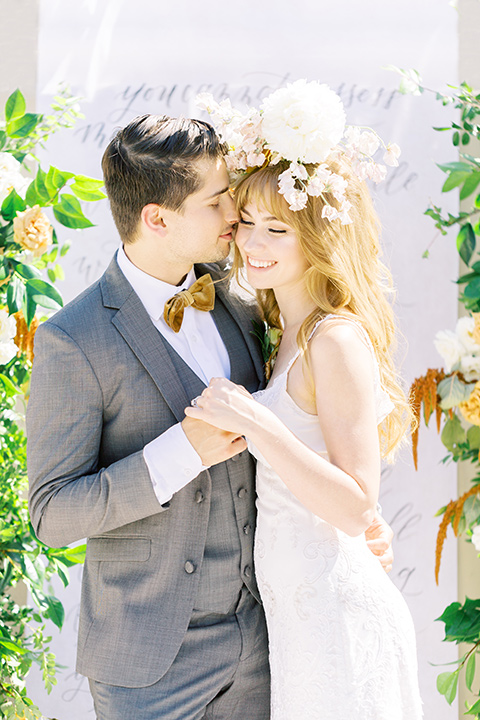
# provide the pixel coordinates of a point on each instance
(344, 490)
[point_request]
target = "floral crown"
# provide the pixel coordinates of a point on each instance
(303, 123)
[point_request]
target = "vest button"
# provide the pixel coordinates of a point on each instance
(246, 529)
(242, 492)
(189, 567)
(199, 497)
(236, 457)
(247, 571)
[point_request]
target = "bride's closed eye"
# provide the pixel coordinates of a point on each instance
(249, 223)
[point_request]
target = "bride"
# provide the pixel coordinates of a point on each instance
(341, 638)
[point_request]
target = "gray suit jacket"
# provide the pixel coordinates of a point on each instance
(104, 385)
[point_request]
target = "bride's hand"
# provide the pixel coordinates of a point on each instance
(225, 405)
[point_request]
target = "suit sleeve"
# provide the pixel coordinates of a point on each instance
(70, 497)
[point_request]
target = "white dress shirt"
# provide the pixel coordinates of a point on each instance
(171, 460)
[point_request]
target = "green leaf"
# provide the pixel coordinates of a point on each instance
(470, 671)
(475, 709)
(470, 185)
(15, 295)
(453, 433)
(56, 179)
(447, 685)
(69, 213)
(10, 388)
(471, 510)
(453, 391)
(466, 242)
(42, 293)
(29, 307)
(27, 272)
(456, 138)
(465, 138)
(23, 126)
(38, 193)
(462, 622)
(15, 106)
(3, 139)
(65, 248)
(12, 646)
(55, 611)
(455, 167)
(70, 556)
(12, 204)
(473, 437)
(87, 195)
(51, 275)
(472, 290)
(455, 179)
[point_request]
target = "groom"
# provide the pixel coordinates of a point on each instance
(170, 623)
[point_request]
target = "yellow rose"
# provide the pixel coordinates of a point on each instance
(470, 409)
(32, 230)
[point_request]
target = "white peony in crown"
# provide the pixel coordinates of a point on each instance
(303, 123)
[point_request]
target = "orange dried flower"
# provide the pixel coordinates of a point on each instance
(442, 534)
(25, 335)
(424, 391)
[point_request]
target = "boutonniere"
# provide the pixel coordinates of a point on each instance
(269, 342)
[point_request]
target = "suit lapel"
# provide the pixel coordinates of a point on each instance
(148, 345)
(243, 315)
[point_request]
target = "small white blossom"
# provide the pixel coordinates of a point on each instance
(368, 143)
(298, 171)
(376, 172)
(330, 213)
(391, 155)
(296, 199)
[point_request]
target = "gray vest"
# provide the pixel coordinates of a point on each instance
(228, 555)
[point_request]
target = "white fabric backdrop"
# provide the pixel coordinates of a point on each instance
(127, 59)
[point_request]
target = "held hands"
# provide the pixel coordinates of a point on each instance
(379, 539)
(212, 445)
(227, 406)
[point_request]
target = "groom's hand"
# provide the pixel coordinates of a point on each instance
(213, 445)
(379, 539)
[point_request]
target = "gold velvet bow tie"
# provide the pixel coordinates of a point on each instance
(200, 295)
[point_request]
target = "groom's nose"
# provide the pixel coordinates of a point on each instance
(231, 215)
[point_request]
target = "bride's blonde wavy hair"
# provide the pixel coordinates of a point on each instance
(345, 277)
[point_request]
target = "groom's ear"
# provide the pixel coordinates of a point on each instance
(152, 217)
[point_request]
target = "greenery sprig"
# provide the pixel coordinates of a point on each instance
(30, 255)
(453, 393)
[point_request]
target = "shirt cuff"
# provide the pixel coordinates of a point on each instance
(172, 462)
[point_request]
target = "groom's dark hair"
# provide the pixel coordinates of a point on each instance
(152, 160)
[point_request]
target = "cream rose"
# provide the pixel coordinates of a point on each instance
(32, 230)
(465, 329)
(449, 347)
(303, 121)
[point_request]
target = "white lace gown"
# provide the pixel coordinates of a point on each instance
(341, 638)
